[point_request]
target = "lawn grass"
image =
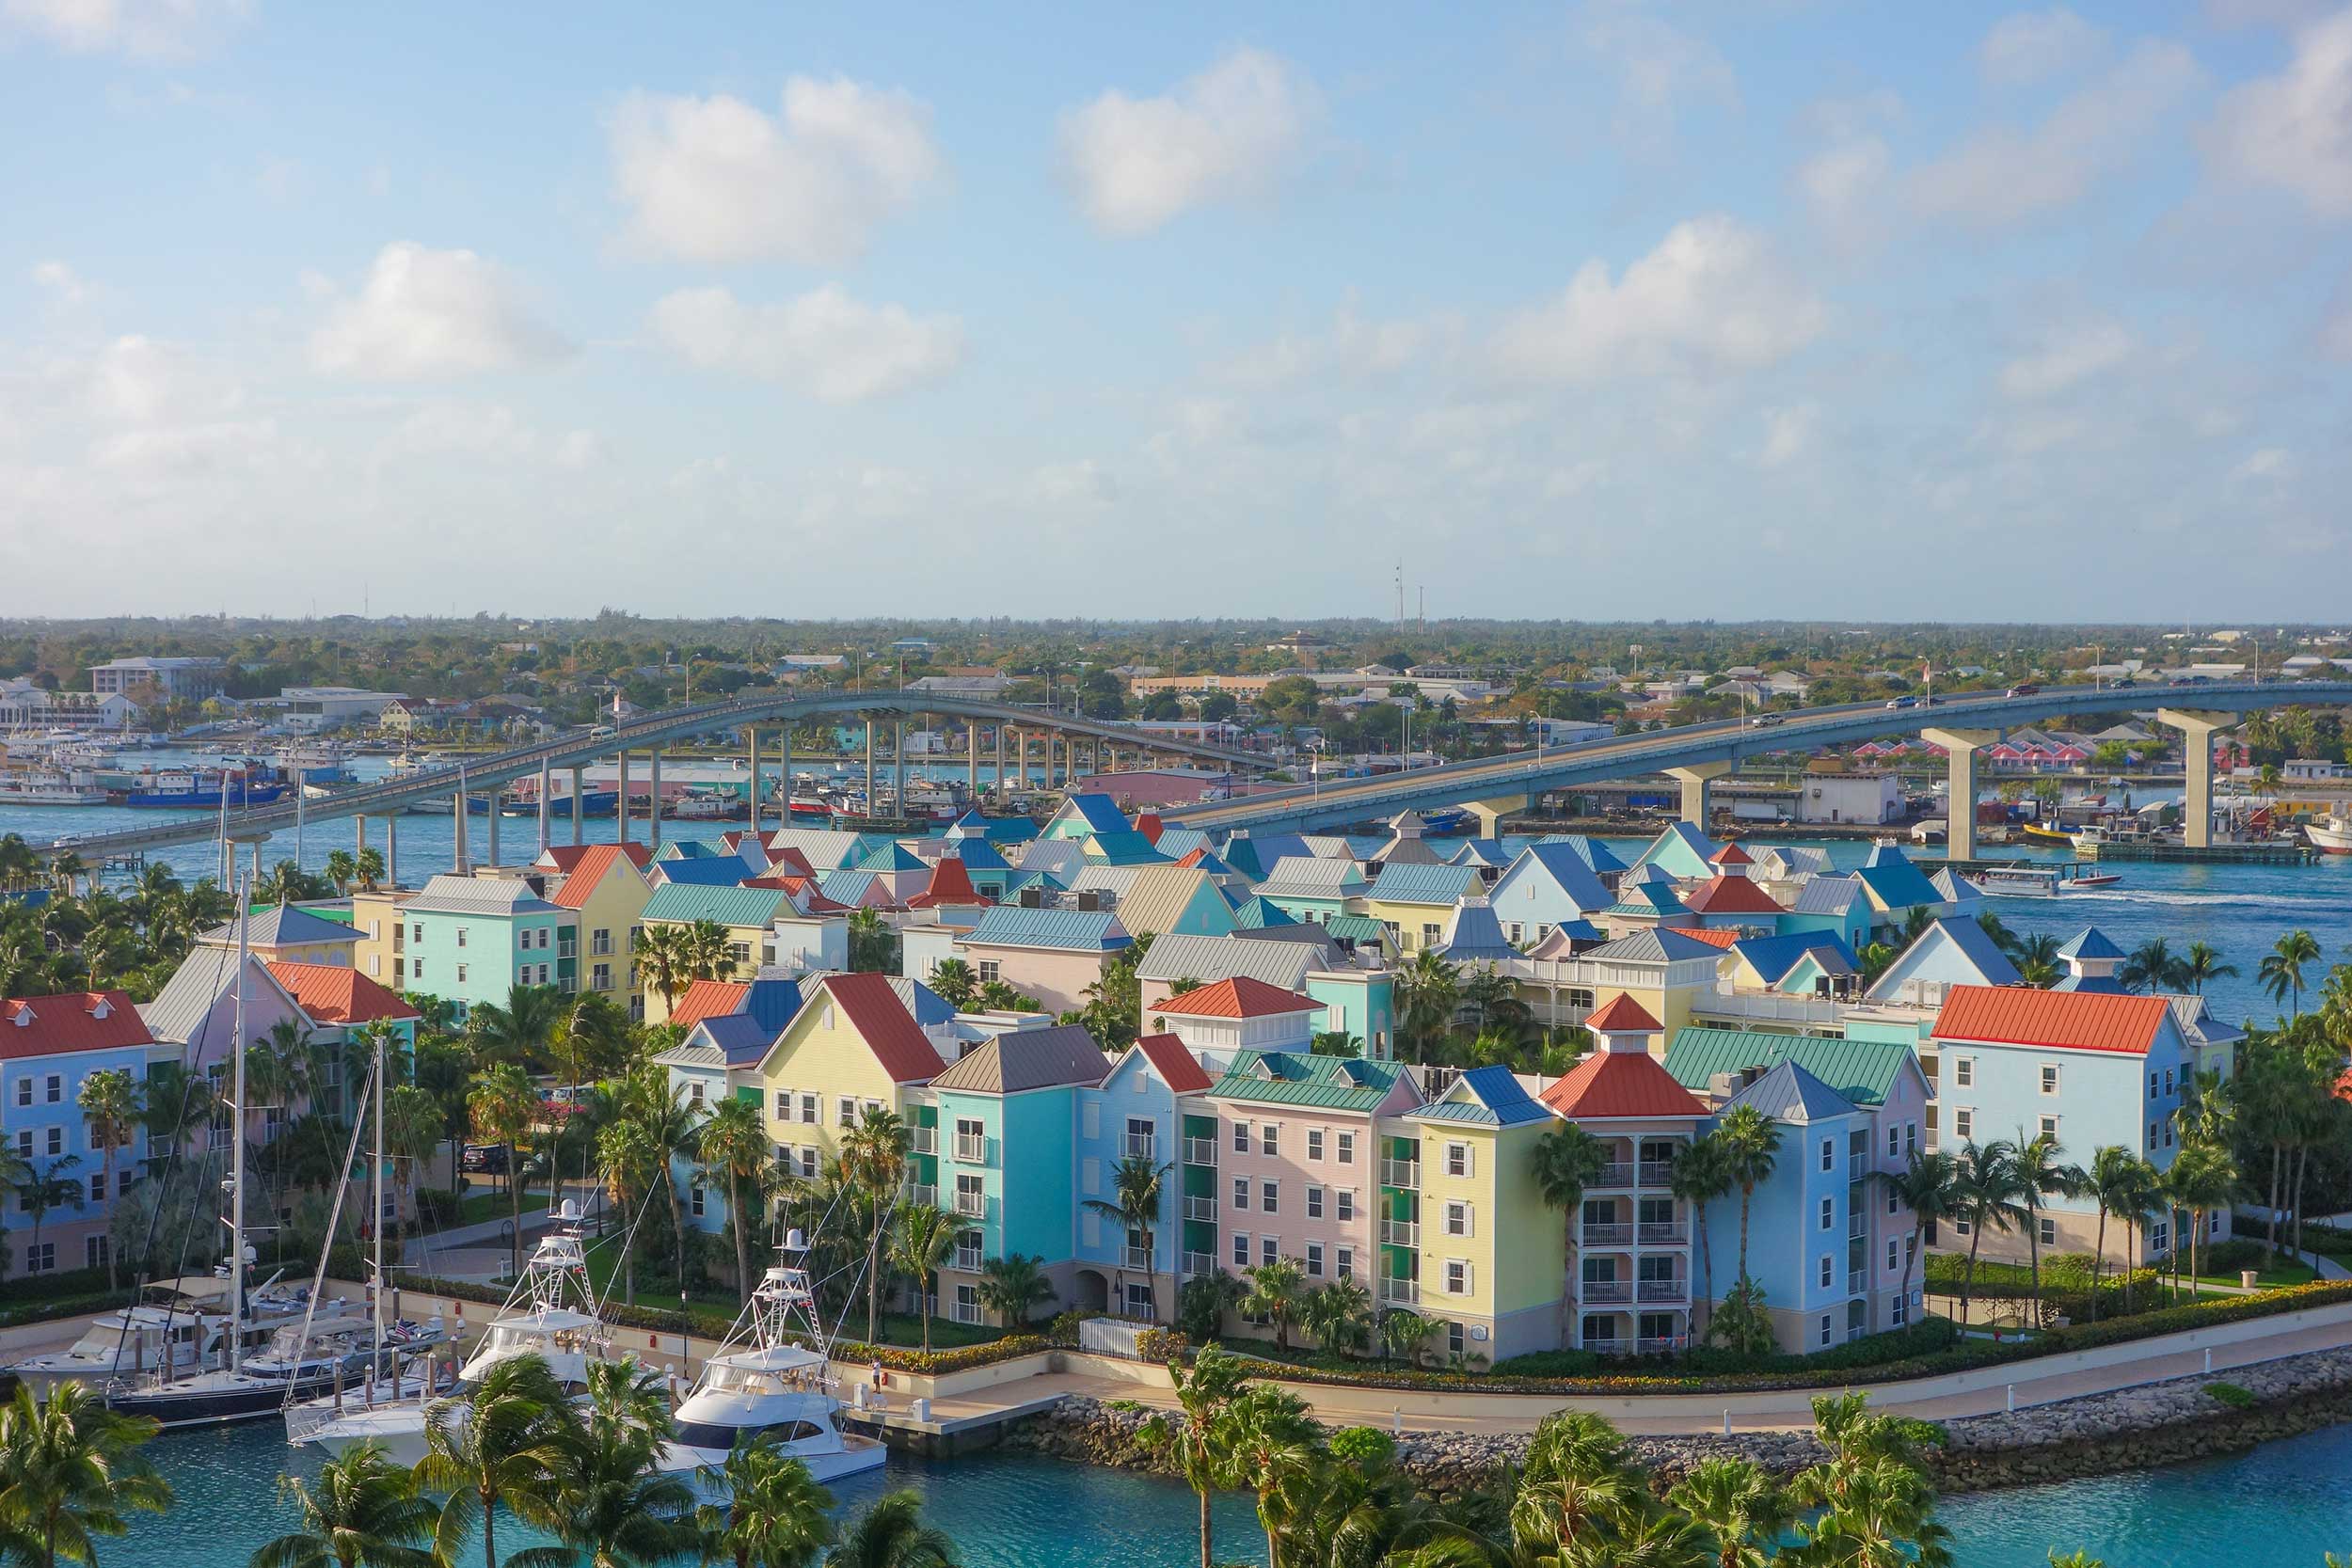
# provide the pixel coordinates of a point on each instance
(715, 1307)
(494, 1204)
(2284, 1271)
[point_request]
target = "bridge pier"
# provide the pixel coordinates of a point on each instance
(392, 851)
(1000, 762)
(547, 784)
(1960, 794)
(579, 798)
(971, 761)
(784, 774)
(652, 787)
(754, 736)
(360, 822)
(870, 765)
(897, 769)
(458, 863)
(2196, 727)
(493, 824)
(1491, 812)
(1695, 779)
(620, 802)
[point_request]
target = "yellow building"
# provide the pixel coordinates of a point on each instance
(852, 1046)
(1416, 900)
(1492, 1252)
(610, 893)
(747, 914)
(382, 952)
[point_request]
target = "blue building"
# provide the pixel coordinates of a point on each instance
(1136, 1113)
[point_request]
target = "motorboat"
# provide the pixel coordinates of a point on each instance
(48, 788)
(2332, 837)
(770, 1380)
(186, 1315)
(2037, 882)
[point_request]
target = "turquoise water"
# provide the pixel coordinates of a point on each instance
(2280, 1507)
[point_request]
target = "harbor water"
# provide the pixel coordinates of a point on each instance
(2282, 1506)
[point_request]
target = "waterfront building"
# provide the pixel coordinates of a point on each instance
(381, 950)
(1284, 965)
(49, 1046)
(1230, 1015)
(607, 893)
(855, 1043)
(1052, 956)
(1137, 1111)
(1803, 963)
(190, 678)
(1175, 900)
(1826, 903)
(471, 940)
(1084, 814)
(747, 914)
(1491, 1252)
(1314, 888)
(1731, 899)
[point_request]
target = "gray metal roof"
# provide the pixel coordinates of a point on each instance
(1826, 895)
(287, 926)
(187, 999)
(1022, 1059)
(1789, 1093)
(1312, 876)
(447, 894)
(1210, 959)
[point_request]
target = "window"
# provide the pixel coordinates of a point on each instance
(1348, 1149)
(41, 1259)
(1961, 1227)
(809, 1111)
(57, 1139)
(1344, 1262)
(1894, 1140)
(992, 971)
(1269, 1249)
(1347, 1208)
(845, 1112)
(1141, 1134)
(1241, 1138)
(1241, 1250)
(461, 973)
(1315, 1143)
(971, 1197)
(1314, 1259)
(2167, 1080)
(1241, 1194)
(1899, 1313)
(1894, 1255)
(601, 941)
(1457, 1219)
(2048, 1126)
(1829, 1154)
(1963, 1123)
(2049, 1078)
(1266, 1194)
(94, 1250)
(1910, 1138)
(2160, 1236)
(1268, 1136)
(600, 977)
(2049, 1231)
(98, 1186)
(1457, 1159)
(971, 1140)
(25, 1091)
(1456, 1339)
(1826, 1269)
(967, 1304)
(416, 932)
(25, 1141)
(1314, 1203)
(784, 1104)
(417, 968)
(1963, 1072)
(1825, 1328)
(694, 1093)
(461, 937)
(1457, 1277)
(808, 1163)
(1829, 1213)
(695, 1202)
(54, 1088)
(1431, 934)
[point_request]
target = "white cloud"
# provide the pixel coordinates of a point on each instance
(1844, 186)
(2272, 463)
(142, 27)
(1660, 66)
(1084, 483)
(2295, 130)
(1355, 346)
(63, 286)
(2067, 359)
(825, 343)
(1231, 133)
(138, 380)
(1788, 432)
(426, 315)
(1711, 297)
(2033, 46)
(2005, 175)
(717, 180)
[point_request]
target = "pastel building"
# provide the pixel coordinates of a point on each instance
(1416, 900)
(291, 933)
(1238, 1014)
(1314, 888)
(855, 1043)
(471, 940)
(1052, 956)
(1137, 1111)
(1492, 1254)
(49, 1047)
(1547, 886)
(607, 893)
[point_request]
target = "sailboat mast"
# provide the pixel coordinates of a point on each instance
(236, 1184)
(375, 1189)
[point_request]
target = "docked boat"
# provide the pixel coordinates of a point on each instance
(702, 807)
(187, 790)
(772, 1380)
(2044, 832)
(178, 1326)
(2332, 837)
(48, 788)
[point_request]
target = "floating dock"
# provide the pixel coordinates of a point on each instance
(2270, 852)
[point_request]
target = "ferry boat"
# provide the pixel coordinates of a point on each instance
(2332, 837)
(770, 1379)
(47, 788)
(2038, 881)
(185, 789)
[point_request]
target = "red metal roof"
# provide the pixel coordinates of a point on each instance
(333, 994)
(789, 860)
(1178, 1067)
(587, 872)
(1195, 855)
(950, 884)
(871, 1003)
(1731, 896)
(1150, 826)
(1723, 937)
(1623, 1016)
(2052, 1020)
(567, 857)
(708, 999)
(1731, 854)
(71, 1021)
(1609, 1084)
(1238, 997)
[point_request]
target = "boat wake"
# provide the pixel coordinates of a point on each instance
(2241, 900)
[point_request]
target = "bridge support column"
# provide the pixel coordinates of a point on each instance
(870, 765)
(392, 851)
(620, 802)
(1491, 812)
(898, 767)
(360, 823)
(580, 802)
(2196, 727)
(256, 857)
(653, 790)
(754, 736)
(1694, 780)
(546, 787)
(494, 825)
(458, 861)
(1960, 794)
(972, 760)
(1000, 763)
(784, 774)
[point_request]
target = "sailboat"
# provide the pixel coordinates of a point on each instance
(770, 1379)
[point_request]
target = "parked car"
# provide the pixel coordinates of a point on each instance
(2027, 690)
(484, 1159)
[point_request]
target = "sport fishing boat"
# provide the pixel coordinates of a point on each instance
(771, 1379)
(2332, 837)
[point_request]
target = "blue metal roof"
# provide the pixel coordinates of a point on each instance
(774, 1003)
(1495, 1098)
(689, 849)
(1473, 935)
(1789, 1093)
(1648, 898)
(1256, 915)
(1480, 851)
(721, 871)
(2090, 942)
(1773, 957)
(1122, 846)
(1071, 930)
(978, 854)
(740, 1036)
(1898, 885)
(1176, 843)
(1569, 872)
(1592, 852)
(893, 856)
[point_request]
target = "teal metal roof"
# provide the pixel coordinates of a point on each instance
(1294, 1078)
(728, 906)
(1422, 884)
(1355, 927)
(1862, 1071)
(1069, 930)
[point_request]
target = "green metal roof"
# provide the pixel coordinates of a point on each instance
(728, 906)
(1356, 927)
(1862, 1071)
(1328, 1083)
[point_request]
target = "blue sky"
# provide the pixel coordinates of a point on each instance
(1595, 309)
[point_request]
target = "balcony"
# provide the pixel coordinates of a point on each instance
(922, 1197)
(966, 1312)
(1672, 1233)
(1857, 1224)
(1202, 1209)
(972, 1205)
(1137, 1146)
(1199, 1263)
(1609, 1347)
(972, 1148)
(1658, 1173)
(1857, 1281)
(923, 1140)
(967, 1260)
(1616, 1173)
(1605, 1293)
(1605, 1235)
(1662, 1344)
(1404, 1174)
(1665, 1290)
(1400, 1232)
(1406, 1292)
(1138, 1257)
(1200, 1151)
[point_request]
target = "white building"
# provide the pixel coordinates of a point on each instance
(1871, 797)
(192, 679)
(311, 708)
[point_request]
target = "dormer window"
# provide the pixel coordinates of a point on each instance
(102, 1010)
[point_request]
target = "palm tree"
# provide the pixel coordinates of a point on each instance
(341, 869)
(1928, 1188)
(1338, 1315)
(1577, 1489)
(501, 1453)
(46, 1186)
(1751, 1145)
(111, 1103)
(775, 1517)
(604, 1492)
(954, 982)
(1137, 1187)
(1737, 1505)
(71, 1472)
(503, 1107)
(413, 1124)
(1014, 1287)
(2204, 964)
(2201, 1179)
(1427, 991)
(1401, 1333)
(874, 1162)
(1276, 1289)
(922, 1239)
(872, 942)
(522, 1032)
(1205, 1394)
(891, 1534)
(2152, 967)
(2040, 1176)
(2281, 970)
(2120, 1182)
(1990, 1194)
(733, 1148)
(671, 1132)
(665, 961)
(708, 951)
(362, 1510)
(368, 866)
(1567, 1159)
(1270, 1445)
(631, 1167)
(1698, 1178)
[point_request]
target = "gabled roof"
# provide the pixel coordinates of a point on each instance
(1211, 958)
(950, 884)
(688, 850)
(1473, 935)
(490, 896)
(1294, 1078)
(728, 906)
(1663, 944)
(1256, 915)
(1485, 1096)
(589, 872)
(567, 857)
(70, 1021)
(978, 854)
(1099, 812)
(704, 999)
(284, 926)
(1623, 1015)
(1731, 854)
(1953, 888)
(1434, 883)
(1559, 942)
(1609, 1085)
(740, 1039)
(2090, 942)
(1021, 1059)
(1177, 1067)
(1789, 1093)
(1647, 900)
(889, 855)
(1312, 876)
(1681, 849)
(1773, 957)
(1724, 937)
(701, 871)
(1897, 883)
(1236, 997)
(1862, 1071)
(1124, 847)
(874, 1009)
(1730, 895)
(1480, 851)
(2050, 1020)
(337, 993)
(1159, 895)
(827, 848)
(1830, 895)
(1566, 871)
(186, 1004)
(1592, 852)
(1065, 930)
(1199, 855)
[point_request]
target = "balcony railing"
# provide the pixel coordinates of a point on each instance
(923, 1140)
(1137, 1146)
(1606, 1291)
(1616, 1173)
(1658, 1173)
(1605, 1235)
(921, 1196)
(964, 1311)
(1202, 1208)
(972, 1148)
(1665, 1290)
(1401, 1172)
(1857, 1222)
(1609, 1347)
(972, 1205)
(1199, 1263)
(1407, 1291)
(1136, 1257)
(1857, 1281)
(1669, 1234)
(1200, 1151)
(1399, 1232)
(968, 1259)
(1660, 1344)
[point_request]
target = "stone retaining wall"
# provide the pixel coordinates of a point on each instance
(2162, 1423)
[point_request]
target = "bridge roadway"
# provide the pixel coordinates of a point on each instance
(579, 748)
(1709, 749)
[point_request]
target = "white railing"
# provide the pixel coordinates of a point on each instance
(1401, 1172)
(972, 1148)
(1200, 1208)
(1664, 1290)
(966, 1312)
(1777, 1006)
(1199, 1263)
(1606, 1291)
(1857, 1281)
(1139, 1258)
(922, 1195)
(1615, 1173)
(972, 1205)
(1400, 1232)
(1656, 1173)
(1670, 1234)
(1407, 1291)
(923, 1140)
(1200, 1151)
(1138, 1145)
(1605, 1235)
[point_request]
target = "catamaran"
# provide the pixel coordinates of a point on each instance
(770, 1379)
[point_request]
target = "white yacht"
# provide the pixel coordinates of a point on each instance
(771, 1378)
(185, 1314)
(2332, 837)
(551, 1313)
